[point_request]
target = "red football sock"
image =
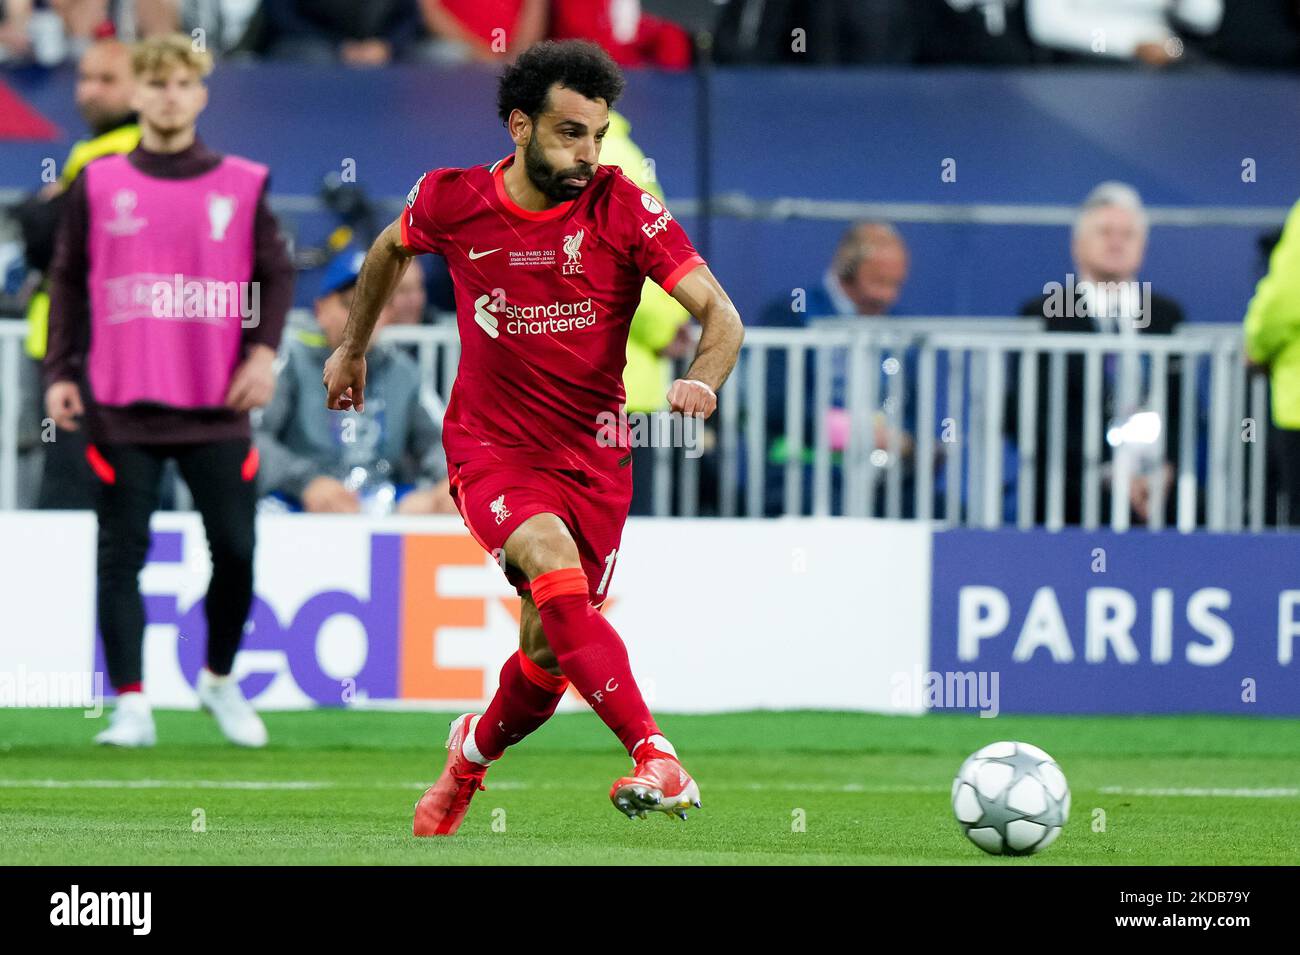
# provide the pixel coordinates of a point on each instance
(525, 699)
(591, 654)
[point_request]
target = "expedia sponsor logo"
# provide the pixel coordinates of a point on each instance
(653, 206)
(545, 319)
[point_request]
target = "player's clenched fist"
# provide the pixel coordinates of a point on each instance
(345, 381)
(692, 397)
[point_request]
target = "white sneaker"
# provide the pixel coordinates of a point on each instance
(131, 723)
(221, 696)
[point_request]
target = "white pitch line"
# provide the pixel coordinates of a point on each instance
(510, 785)
(1280, 792)
(161, 784)
(303, 784)
(753, 787)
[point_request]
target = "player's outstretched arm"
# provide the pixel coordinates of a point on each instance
(345, 372)
(701, 295)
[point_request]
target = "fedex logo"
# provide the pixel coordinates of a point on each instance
(399, 616)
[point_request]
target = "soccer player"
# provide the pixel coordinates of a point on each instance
(548, 251)
(166, 374)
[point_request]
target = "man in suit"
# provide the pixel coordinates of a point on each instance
(1104, 297)
(865, 278)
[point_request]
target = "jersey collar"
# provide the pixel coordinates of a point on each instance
(498, 179)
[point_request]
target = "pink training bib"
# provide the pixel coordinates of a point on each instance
(171, 264)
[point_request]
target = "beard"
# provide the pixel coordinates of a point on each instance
(101, 120)
(550, 181)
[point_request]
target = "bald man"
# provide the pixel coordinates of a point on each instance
(868, 271)
(864, 279)
(104, 85)
(103, 96)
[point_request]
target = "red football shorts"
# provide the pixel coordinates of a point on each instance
(494, 499)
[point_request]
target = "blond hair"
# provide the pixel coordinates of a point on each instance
(174, 49)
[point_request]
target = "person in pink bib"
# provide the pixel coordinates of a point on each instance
(169, 288)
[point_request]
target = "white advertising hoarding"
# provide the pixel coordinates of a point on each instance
(717, 614)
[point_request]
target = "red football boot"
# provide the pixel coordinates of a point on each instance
(442, 808)
(657, 784)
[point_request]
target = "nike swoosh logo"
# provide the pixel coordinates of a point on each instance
(478, 255)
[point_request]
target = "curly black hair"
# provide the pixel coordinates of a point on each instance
(578, 65)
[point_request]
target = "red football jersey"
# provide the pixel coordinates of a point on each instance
(543, 303)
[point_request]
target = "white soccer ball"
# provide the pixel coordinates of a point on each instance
(1011, 799)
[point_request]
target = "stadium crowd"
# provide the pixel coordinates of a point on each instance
(394, 460)
(373, 33)
(1155, 33)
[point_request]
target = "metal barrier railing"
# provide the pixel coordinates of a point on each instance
(12, 334)
(961, 434)
(940, 420)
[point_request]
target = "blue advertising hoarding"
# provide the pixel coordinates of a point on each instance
(1099, 622)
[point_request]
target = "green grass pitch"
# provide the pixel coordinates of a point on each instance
(778, 788)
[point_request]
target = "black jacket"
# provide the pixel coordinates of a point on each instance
(1166, 315)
